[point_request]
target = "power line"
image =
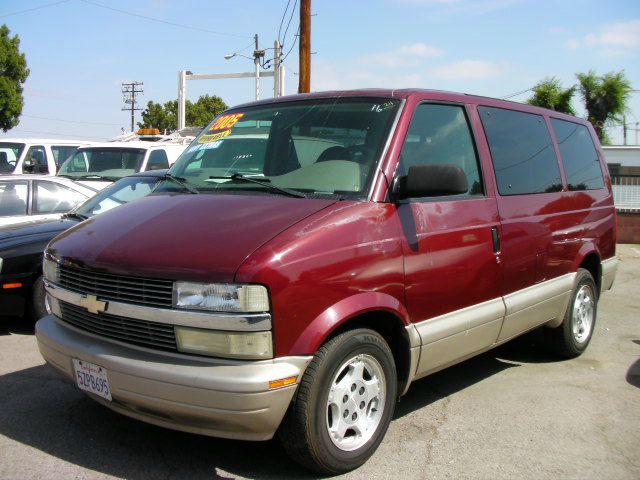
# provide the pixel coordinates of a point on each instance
(292, 45)
(284, 14)
(71, 121)
(47, 5)
(518, 93)
(189, 27)
(286, 30)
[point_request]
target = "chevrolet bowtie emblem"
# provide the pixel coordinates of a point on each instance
(92, 304)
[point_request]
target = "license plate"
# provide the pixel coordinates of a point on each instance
(92, 378)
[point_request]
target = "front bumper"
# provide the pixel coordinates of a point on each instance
(221, 398)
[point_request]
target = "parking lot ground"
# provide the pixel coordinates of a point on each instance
(514, 412)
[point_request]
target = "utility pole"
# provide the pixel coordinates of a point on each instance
(304, 83)
(129, 92)
(257, 55)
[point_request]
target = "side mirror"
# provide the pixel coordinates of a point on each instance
(431, 181)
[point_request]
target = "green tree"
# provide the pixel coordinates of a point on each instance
(198, 114)
(13, 73)
(549, 94)
(605, 97)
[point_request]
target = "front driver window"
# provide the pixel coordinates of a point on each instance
(440, 134)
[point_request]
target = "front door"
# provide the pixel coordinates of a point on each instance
(452, 270)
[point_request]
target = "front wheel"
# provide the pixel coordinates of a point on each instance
(344, 404)
(39, 302)
(571, 338)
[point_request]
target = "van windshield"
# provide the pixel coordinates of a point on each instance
(9, 155)
(323, 146)
(103, 162)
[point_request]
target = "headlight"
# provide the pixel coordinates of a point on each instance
(221, 297)
(245, 345)
(50, 270)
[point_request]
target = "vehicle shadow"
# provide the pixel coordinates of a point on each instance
(21, 326)
(528, 348)
(633, 374)
(44, 411)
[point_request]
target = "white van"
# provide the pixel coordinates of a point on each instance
(35, 155)
(101, 164)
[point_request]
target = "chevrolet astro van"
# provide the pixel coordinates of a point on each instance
(309, 257)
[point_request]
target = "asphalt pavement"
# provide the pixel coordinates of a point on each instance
(514, 412)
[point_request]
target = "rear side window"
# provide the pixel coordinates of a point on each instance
(439, 134)
(579, 156)
(522, 152)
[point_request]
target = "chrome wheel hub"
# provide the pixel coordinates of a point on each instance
(355, 402)
(583, 314)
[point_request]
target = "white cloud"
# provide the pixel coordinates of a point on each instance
(469, 69)
(612, 39)
(332, 76)
(406, 55)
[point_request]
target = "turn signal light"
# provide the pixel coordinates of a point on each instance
(7, 286)
(283, 382)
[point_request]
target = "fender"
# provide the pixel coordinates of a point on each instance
(586, 249)
(317, 331)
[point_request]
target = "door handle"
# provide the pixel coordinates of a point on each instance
(495, 235)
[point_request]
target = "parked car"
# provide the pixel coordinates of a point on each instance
(39, 197)
(21, 245)
(100, 165)
(35, 155)
(256, 293)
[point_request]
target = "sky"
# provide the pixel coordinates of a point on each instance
(80, 51)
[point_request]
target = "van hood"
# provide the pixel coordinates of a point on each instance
(202, 238)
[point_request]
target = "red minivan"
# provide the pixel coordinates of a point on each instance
(308, 257)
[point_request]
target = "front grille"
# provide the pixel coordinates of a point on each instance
(139, 291)
(137, 332)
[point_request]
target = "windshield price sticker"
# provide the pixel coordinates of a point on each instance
(226, 122)
(214, 137)
(208, 146)
(92, 378)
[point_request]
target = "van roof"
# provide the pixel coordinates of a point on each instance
(406, 93)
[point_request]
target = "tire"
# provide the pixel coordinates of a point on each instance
(39, 306)
(572, 337)
(349, 388)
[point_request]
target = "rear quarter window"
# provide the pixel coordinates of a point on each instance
(522, 152)
(579, 155)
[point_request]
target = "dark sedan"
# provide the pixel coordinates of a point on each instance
(21, 245)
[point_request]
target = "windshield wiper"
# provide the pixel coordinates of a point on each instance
(77, 215)
(182, 182)
(265, 183)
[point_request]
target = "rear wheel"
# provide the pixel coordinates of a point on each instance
(344, 404)
(572, 337)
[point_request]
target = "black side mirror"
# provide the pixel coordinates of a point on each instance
(431, 181)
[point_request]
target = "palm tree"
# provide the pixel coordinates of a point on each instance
(605, 98)
(549, 94)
